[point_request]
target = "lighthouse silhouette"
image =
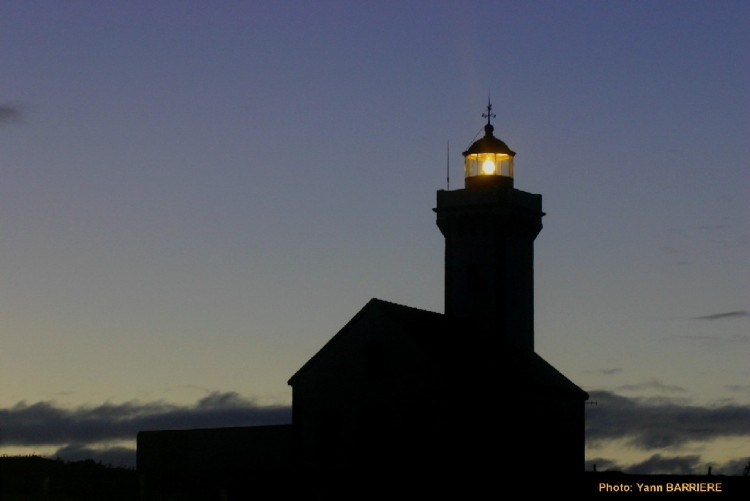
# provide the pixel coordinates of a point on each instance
(404, 401)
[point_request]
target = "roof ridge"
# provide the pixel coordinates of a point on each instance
(372, 303)
(392, 303)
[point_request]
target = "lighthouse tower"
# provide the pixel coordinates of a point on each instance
(489, 229)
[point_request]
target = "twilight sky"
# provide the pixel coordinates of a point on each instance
(195, 196)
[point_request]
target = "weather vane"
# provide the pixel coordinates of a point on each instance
(489, 115)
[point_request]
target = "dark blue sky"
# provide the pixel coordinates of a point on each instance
(195, 196)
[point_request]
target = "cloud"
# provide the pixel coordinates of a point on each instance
(710, 340)
(670, 465)
(656, 424)
(113, 456)
(738, 388)
(606, 372)
(9, 113)
(734, 467)
(675, 465)
(656, 464)
(722, 316)
(77, 430)
(654, 384)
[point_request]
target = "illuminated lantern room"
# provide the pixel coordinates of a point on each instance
(488, 161)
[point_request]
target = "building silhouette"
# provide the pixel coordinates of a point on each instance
(407, 400)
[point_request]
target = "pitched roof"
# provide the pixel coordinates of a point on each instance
(453, 346)
(417, 322)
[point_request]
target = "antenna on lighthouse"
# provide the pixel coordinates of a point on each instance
(448, 166)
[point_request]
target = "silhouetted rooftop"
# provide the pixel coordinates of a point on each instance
(452, 347)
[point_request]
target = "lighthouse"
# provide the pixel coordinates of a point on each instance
(489, 228)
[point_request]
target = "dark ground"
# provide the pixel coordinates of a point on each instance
(32, 478)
